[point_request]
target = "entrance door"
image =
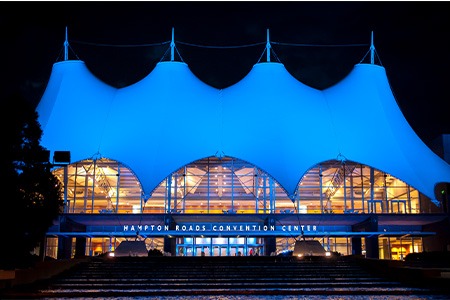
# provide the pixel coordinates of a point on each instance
(220, 251)
(202, 251)
(237, 250)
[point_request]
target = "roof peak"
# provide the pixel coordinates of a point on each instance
(373, 53)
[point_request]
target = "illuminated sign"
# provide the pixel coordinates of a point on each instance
(219, 228)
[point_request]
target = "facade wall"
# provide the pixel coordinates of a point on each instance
(229, 185)
(234, 188)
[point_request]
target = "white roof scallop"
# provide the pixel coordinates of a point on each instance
(277, 123)
(171, 118)
(168, 119)
(73, 110)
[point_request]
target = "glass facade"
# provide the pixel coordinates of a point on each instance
(218, 246)
(398, 247)
(228, 185)
(346, 187)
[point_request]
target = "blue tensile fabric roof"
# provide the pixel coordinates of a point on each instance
(270, 119)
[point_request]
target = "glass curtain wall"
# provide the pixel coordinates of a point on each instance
(397, 248)
(101, 186)
(219, 185)
(346, 187)
(219, 246)
(229, 185)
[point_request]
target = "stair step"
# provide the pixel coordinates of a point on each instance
(217, 276)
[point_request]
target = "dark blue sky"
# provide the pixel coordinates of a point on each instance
(410, 39)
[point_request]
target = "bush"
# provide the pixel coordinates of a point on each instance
(155, 252)
(433, 256)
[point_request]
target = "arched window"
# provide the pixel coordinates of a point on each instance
(219, 185)
(348, 187)
(100, 186)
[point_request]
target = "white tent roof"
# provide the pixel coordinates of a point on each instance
(371, 129)
(277, 123)
(73, 110)
(167, 120)
(171, 118)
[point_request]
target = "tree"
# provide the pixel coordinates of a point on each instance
(31, 195)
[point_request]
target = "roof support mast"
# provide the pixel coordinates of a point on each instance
(372, 50)
(172, 46)
(268, 46)
(66, 47)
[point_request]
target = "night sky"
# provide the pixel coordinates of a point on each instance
(120, 44)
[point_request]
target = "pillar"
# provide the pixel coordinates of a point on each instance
(64, 247)
(170, 243)
(80, 247)
(371, 241)
(270, 243)
(356, 246)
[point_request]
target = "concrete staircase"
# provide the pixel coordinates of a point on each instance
(152, 276)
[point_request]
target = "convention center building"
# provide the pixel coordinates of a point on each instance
(253, 167)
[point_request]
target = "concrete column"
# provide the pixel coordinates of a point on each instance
(64, 247)
(356, 246)
(270, 244)
(80, 247)
(371, 241)
(372, 247)
(170, 243)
